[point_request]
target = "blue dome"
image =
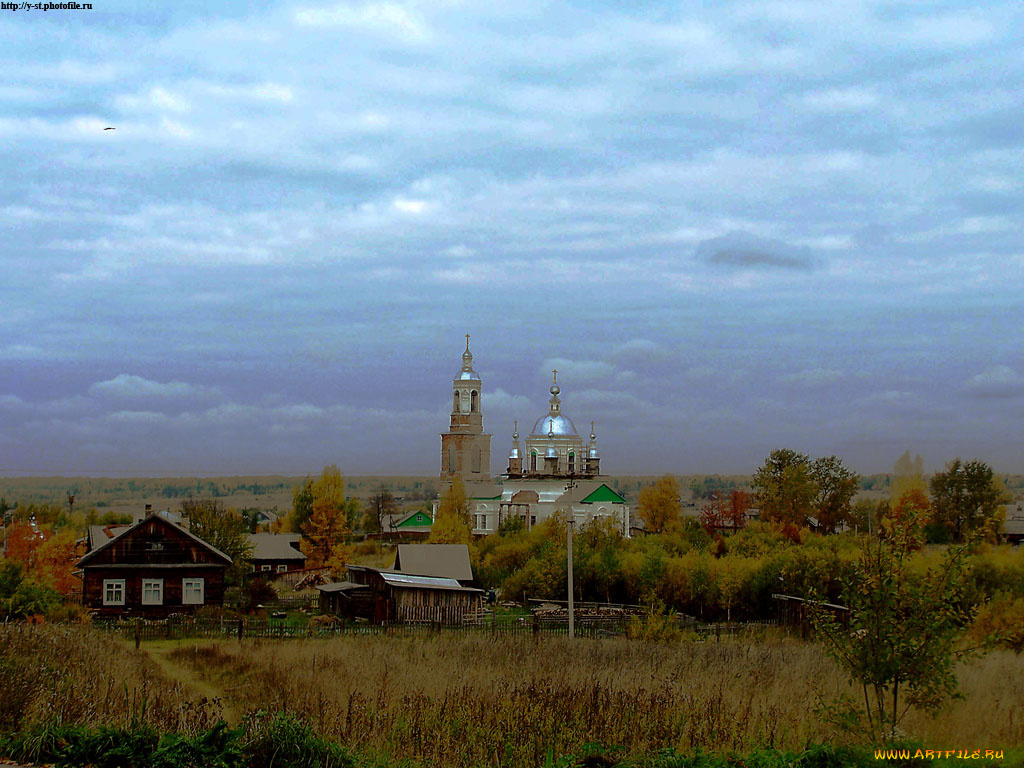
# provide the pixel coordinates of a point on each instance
(557, 425)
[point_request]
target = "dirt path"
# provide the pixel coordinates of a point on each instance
(160, 652)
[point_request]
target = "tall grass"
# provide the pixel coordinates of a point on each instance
(472, 701)
(459, 701)
(76, 675)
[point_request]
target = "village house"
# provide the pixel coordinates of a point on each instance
(276, 553)
(151, 569)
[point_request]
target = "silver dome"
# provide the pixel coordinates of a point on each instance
(467, 376)
(556, 425)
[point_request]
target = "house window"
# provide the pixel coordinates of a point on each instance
(192, 592)
(152, 591)
(113, 591)
(282, 568)
(264, 567)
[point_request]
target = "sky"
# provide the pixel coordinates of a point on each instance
(731, 227)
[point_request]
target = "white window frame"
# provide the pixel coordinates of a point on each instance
(265, 568)
(149, 585)
(282, 568)
(112, 586)
(189, 585)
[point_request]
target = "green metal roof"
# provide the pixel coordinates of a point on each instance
(418, 520)
(603, 493)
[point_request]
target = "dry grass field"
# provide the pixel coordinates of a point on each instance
(462, 701)
(469, 701)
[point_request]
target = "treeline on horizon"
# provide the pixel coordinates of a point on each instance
(106, 491)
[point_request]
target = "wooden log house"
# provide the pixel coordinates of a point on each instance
(152, 569)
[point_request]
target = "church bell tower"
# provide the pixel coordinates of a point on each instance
(465, 449)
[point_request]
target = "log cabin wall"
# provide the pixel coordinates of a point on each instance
(437, 606)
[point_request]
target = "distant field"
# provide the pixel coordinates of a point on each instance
(269, 491)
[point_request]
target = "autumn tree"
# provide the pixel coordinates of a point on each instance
(785, 488)
(835, 487)
(452, 524)
(967, 497)
(907, 474)
(325, 534)
(302, 505)
(55, 560)
(379, 508)
(225, 529)
(901, 642)
(660, 505)
(730, 511)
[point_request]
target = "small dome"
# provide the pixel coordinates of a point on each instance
(467, 376)
(554, 425)
(514, 453)
(593, 453)
(551, 453)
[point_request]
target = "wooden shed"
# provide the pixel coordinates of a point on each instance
(152, 569)
(387, 597)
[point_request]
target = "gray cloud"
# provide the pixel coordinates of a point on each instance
(746, 251)
(999, 381)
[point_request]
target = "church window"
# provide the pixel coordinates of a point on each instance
(465, 402)
(572, 462)
(455, 401)
(474, 404)
(533, 461)
(451, 458)
(476, 458)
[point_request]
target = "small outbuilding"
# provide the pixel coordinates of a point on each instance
(430, 583)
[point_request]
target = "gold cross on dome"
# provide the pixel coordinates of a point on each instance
(467, 342)
(555, 372)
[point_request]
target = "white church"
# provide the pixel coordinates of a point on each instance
(556, 470)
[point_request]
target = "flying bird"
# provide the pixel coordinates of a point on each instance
(110, 128)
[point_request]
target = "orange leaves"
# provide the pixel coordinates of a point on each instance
(47, 556)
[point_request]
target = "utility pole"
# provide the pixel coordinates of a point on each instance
(572, 611)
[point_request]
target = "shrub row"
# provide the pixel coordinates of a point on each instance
(282, 741)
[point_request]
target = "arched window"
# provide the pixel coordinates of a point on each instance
(476, 458)
(465, 402)
(572, 462)
(455, 401)
(474, 403)
(533, 461)
(451, 458)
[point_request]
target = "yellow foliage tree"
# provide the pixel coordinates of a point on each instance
(452, 526)
(327, 527)
(660, 505)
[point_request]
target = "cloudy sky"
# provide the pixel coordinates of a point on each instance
(732, 227)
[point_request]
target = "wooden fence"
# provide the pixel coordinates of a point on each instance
(593, 627)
